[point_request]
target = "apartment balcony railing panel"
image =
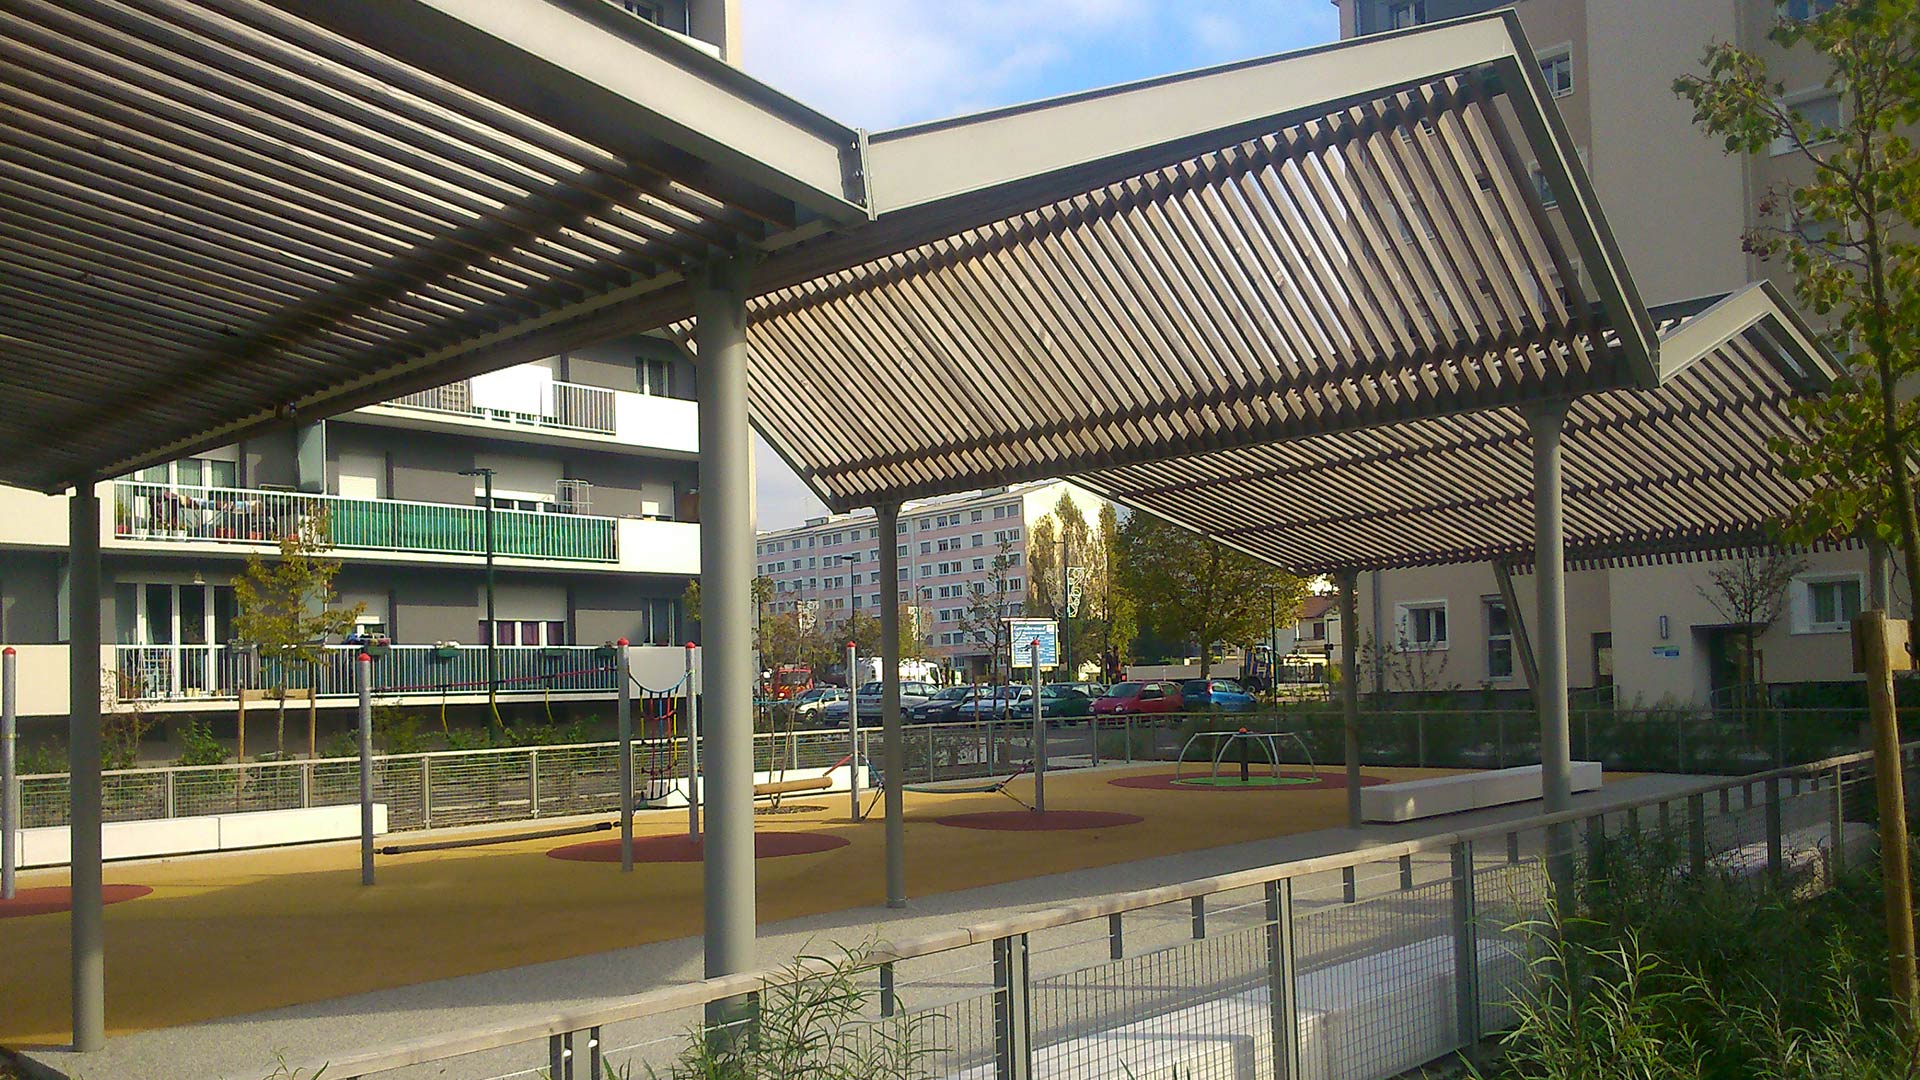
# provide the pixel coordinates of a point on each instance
(165, 512)
(188, 672)
(574, 407)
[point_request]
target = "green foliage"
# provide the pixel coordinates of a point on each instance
(396, 731)
(286, 606)
(198, 746)
(812, 1021)
(1190, 587)
(1848, 234)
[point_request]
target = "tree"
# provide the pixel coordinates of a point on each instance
(1750, 592)
(1848, 232)
(1093, 622)
(984, 620)
(1202, 590)
(286, 606)
(1111, 617)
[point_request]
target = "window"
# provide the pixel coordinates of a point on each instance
(926, 569)
(645, 9)
(1831, 602)
(1423, 625)
(1802, 10)
(926, 547)
(979, 564)
(1556, 68)
(525, 632)
(925, 524)
(1404, 13)
(978, 514)
(655, 377)
(1543, 188)
(1499, 639)
(1820, 110)
(977, 540)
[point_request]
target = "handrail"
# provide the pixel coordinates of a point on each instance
(687, 995)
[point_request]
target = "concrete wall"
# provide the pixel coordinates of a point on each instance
(435, 607)
(29, 597)
(614, 609)
(612, 365)
(1462, 665)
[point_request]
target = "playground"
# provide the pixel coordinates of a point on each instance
(222, 935)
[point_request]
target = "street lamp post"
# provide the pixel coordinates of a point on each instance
(493, 631)
(846, 559)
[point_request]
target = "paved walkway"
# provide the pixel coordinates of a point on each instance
(245, 1047)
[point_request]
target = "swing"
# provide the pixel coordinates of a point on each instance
(988, 787)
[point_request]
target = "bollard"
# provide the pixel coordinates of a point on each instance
(363, 668)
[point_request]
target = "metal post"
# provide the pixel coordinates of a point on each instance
(1697, 833)
(1466, 946)
(426, 791)
(726, 576)
(1012, 1007)
(623, 672)
(853, 731)
(533, 781)
(693, 752)
(893, 746)
(1349, 582)
(1116, 937)
(1066, 611)
(1283, 1011)
(88, 950)
(1199, 918)
(363, 682)
(1513, 847)
(1349, 885)
(889, 1003)
(1550, 637)
(1406, 873)
(1776, 865)
(9, 779)
(1039, 735)
(493, 630)
(1837, 827)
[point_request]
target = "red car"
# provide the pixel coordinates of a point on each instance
(1134, 698)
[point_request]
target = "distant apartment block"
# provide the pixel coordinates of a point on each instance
(947, 547)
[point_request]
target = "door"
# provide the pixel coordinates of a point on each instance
(1603, 662)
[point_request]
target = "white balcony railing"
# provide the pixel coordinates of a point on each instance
(169, 513)
(574, 407)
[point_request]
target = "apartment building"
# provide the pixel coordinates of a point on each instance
(1678, 207)
(591, 459)
(829, 566)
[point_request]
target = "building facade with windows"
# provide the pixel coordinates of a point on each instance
(1679, 208)
(949, 550)
(593, 463)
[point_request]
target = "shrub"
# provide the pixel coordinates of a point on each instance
(198, 746)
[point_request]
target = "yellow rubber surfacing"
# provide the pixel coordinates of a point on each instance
(230, 934)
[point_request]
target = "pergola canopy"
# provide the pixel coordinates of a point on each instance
(1281, 301)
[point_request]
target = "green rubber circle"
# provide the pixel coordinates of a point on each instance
(1234, 781)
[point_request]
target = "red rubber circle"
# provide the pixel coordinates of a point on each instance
(47, 901)
(766, 845)
(1036, 821)
(1321, 781)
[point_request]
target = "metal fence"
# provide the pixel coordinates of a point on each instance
(182, 672)
(1355, 966)
(168, 512)
(575, 407)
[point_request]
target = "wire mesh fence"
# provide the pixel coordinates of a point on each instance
(1358, 966)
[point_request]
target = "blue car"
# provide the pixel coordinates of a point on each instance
(1223, 695)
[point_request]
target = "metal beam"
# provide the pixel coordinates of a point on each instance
(726, 618)
(1516, 624)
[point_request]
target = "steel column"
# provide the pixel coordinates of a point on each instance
(1012, 1009)
(853, 729)
(693, 751)
(1039, 735)
(1836, 826)
(1776, 857)
(1283, 1008)
(1550, 635)
(624, 716)
(9, 780)
(1349, 582)
(1466, 946)
(83, 765)
(726, 618)
(363, 680)
(894, 751)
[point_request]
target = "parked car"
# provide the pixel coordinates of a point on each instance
(911, 694)
(808, 703)
(1137, 698)
(994, 703)
(1094, 690)
(1222, 694)
(943, 706)
(1057, 701)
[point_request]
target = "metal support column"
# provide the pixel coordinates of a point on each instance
(853, 729)
(727, 615)
(1039, 735)
(1776, 856)
(1546, 420)
(9, 778)
(363, 682)
(1013, 1010)
(893, 749)
(1466, 946)
(83, 765)
(1349, 582)
(624, 716)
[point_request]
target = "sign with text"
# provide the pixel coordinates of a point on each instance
(1024, 632)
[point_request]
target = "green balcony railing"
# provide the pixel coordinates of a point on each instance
(166, 512)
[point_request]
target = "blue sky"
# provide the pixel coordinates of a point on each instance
(882, 63)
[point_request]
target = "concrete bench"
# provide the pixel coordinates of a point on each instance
(1434, 796)
(51, 846)
(1803, 851)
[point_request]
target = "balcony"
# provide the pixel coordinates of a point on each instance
(168, 514)
(571, 414)
(202, 672)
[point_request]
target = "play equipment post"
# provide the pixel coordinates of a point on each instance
(9, 796)
(621, 673)
(1039, 736)
(693, 752)
(853, 727)
(363, 678)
